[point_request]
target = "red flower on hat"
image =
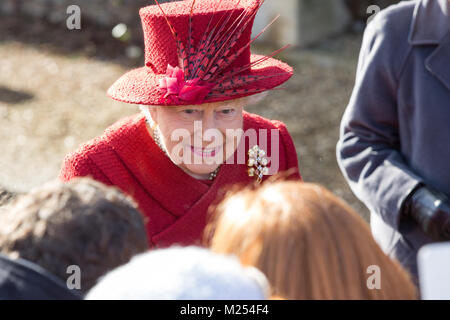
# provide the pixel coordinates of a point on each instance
(178, 90)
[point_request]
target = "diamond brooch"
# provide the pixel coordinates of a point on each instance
(257, 163)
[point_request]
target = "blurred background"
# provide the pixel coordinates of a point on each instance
(53, 80)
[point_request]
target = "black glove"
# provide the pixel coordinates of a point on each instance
(431, 210)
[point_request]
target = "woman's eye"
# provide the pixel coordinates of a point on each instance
(189, 111)
(227, 111)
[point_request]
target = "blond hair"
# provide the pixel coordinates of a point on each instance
(309, 243)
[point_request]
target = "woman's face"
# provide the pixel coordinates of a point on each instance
(200, 138)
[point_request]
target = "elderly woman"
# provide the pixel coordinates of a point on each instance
(192, 137)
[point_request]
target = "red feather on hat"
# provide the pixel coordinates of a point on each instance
(202, 68)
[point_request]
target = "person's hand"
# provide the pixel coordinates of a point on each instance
(431, 210)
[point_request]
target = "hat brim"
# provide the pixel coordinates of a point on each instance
(141, 85)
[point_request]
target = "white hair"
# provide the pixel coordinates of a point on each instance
(146, 111)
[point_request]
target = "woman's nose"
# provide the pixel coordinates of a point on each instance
(209, 121)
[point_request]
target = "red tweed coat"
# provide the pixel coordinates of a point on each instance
(174, 204)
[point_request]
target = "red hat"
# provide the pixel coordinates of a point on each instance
(198, 51)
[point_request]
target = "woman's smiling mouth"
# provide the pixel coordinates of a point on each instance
(206, 152)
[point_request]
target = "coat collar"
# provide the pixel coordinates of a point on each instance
(151, 168)
(438, 63)
(430, 23)
(133, 162)
(431, 26)
(161, 179)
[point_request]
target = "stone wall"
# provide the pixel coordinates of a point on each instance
(105, 13)
(306, 22)
(302, 22)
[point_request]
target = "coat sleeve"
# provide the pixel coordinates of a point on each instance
(78, 164)
(368, 151)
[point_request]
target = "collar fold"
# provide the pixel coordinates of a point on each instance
(430, 23)
(438, 63)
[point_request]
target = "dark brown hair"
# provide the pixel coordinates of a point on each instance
(82, 222)
(309, 243)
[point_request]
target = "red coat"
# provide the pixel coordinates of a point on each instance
(173, 203)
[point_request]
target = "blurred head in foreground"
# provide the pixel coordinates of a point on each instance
(81, 223)
(309, 244)
(188, 273)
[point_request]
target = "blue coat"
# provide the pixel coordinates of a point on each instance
(395, 132)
